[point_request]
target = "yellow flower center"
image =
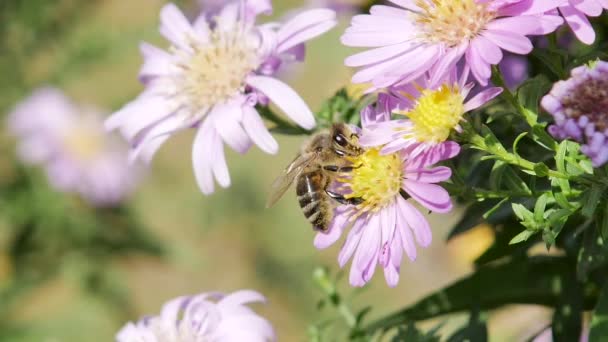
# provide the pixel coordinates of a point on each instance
(436, 113)
(218, 68)
(84, 142)
(452, 21)
(376, 179)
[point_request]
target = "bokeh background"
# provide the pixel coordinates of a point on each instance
(106, 267)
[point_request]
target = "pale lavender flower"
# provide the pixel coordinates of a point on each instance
(423, 36)
(579, 107)
(575, 12)
(514, 69)
(207, 317)
(431, 112)
(385, 225)
(71, 143)
(211, 79)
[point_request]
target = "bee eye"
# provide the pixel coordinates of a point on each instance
(340, 140)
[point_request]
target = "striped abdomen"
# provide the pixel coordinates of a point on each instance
(310, 189)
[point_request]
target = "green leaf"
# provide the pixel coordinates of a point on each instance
(599, 321)
(539, 208)
(521, 237)
(536, 280)
(541, 169)
(476, 331)
(567, 317)
(522, 212)
(530, 92)
(592, 254)
(411, 334)
(591, 199)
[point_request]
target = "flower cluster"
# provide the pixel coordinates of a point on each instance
(429, 64)
(209, 317)
(579, 107)
(71, 143)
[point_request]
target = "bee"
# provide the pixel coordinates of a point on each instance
(321, 160)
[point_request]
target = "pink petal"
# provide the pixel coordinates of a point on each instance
(431, 196)
(305, 26)
(522, 25)
(434, 175)
(242, 297)
(530, 7)
(447, 63)
(491, 53)
(351, 243)
(257, 131)
(201, 150)
(404, 233)
(377, 55)
(324, 240)
(482, 98)
(443, 151)
(480, 68)
(418, 223)
(579, 24)
(285, 98)
(509, 41)
(591, 8)
(175, 26)
(407, 4)
(226, 118)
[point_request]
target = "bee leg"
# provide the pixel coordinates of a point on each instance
(335, 168)
(342, 200)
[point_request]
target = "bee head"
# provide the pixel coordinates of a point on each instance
(344, 140)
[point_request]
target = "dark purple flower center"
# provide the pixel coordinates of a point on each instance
(589, 98)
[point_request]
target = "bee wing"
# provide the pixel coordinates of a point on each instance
(282, 183)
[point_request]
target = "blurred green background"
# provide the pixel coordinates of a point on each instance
(227, 241)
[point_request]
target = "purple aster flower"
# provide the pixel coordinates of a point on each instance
(72, 145)
(575, 12)
(211, 79)
(579, 107)
(209, 317)
(385, 225)
(431, 111)
(432, 36)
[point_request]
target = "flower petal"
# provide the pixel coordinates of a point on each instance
(431, 196)
(285, 98)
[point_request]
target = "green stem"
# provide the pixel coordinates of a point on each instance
(282, 126)
(506, 93)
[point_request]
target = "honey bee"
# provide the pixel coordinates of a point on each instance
(320, 161)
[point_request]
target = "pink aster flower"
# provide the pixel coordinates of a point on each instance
(209, 317)
(71, 143)
(432, 36)
(579, 107)
(431, 112)
(385, 225)
(575, 12)
(211, 79)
